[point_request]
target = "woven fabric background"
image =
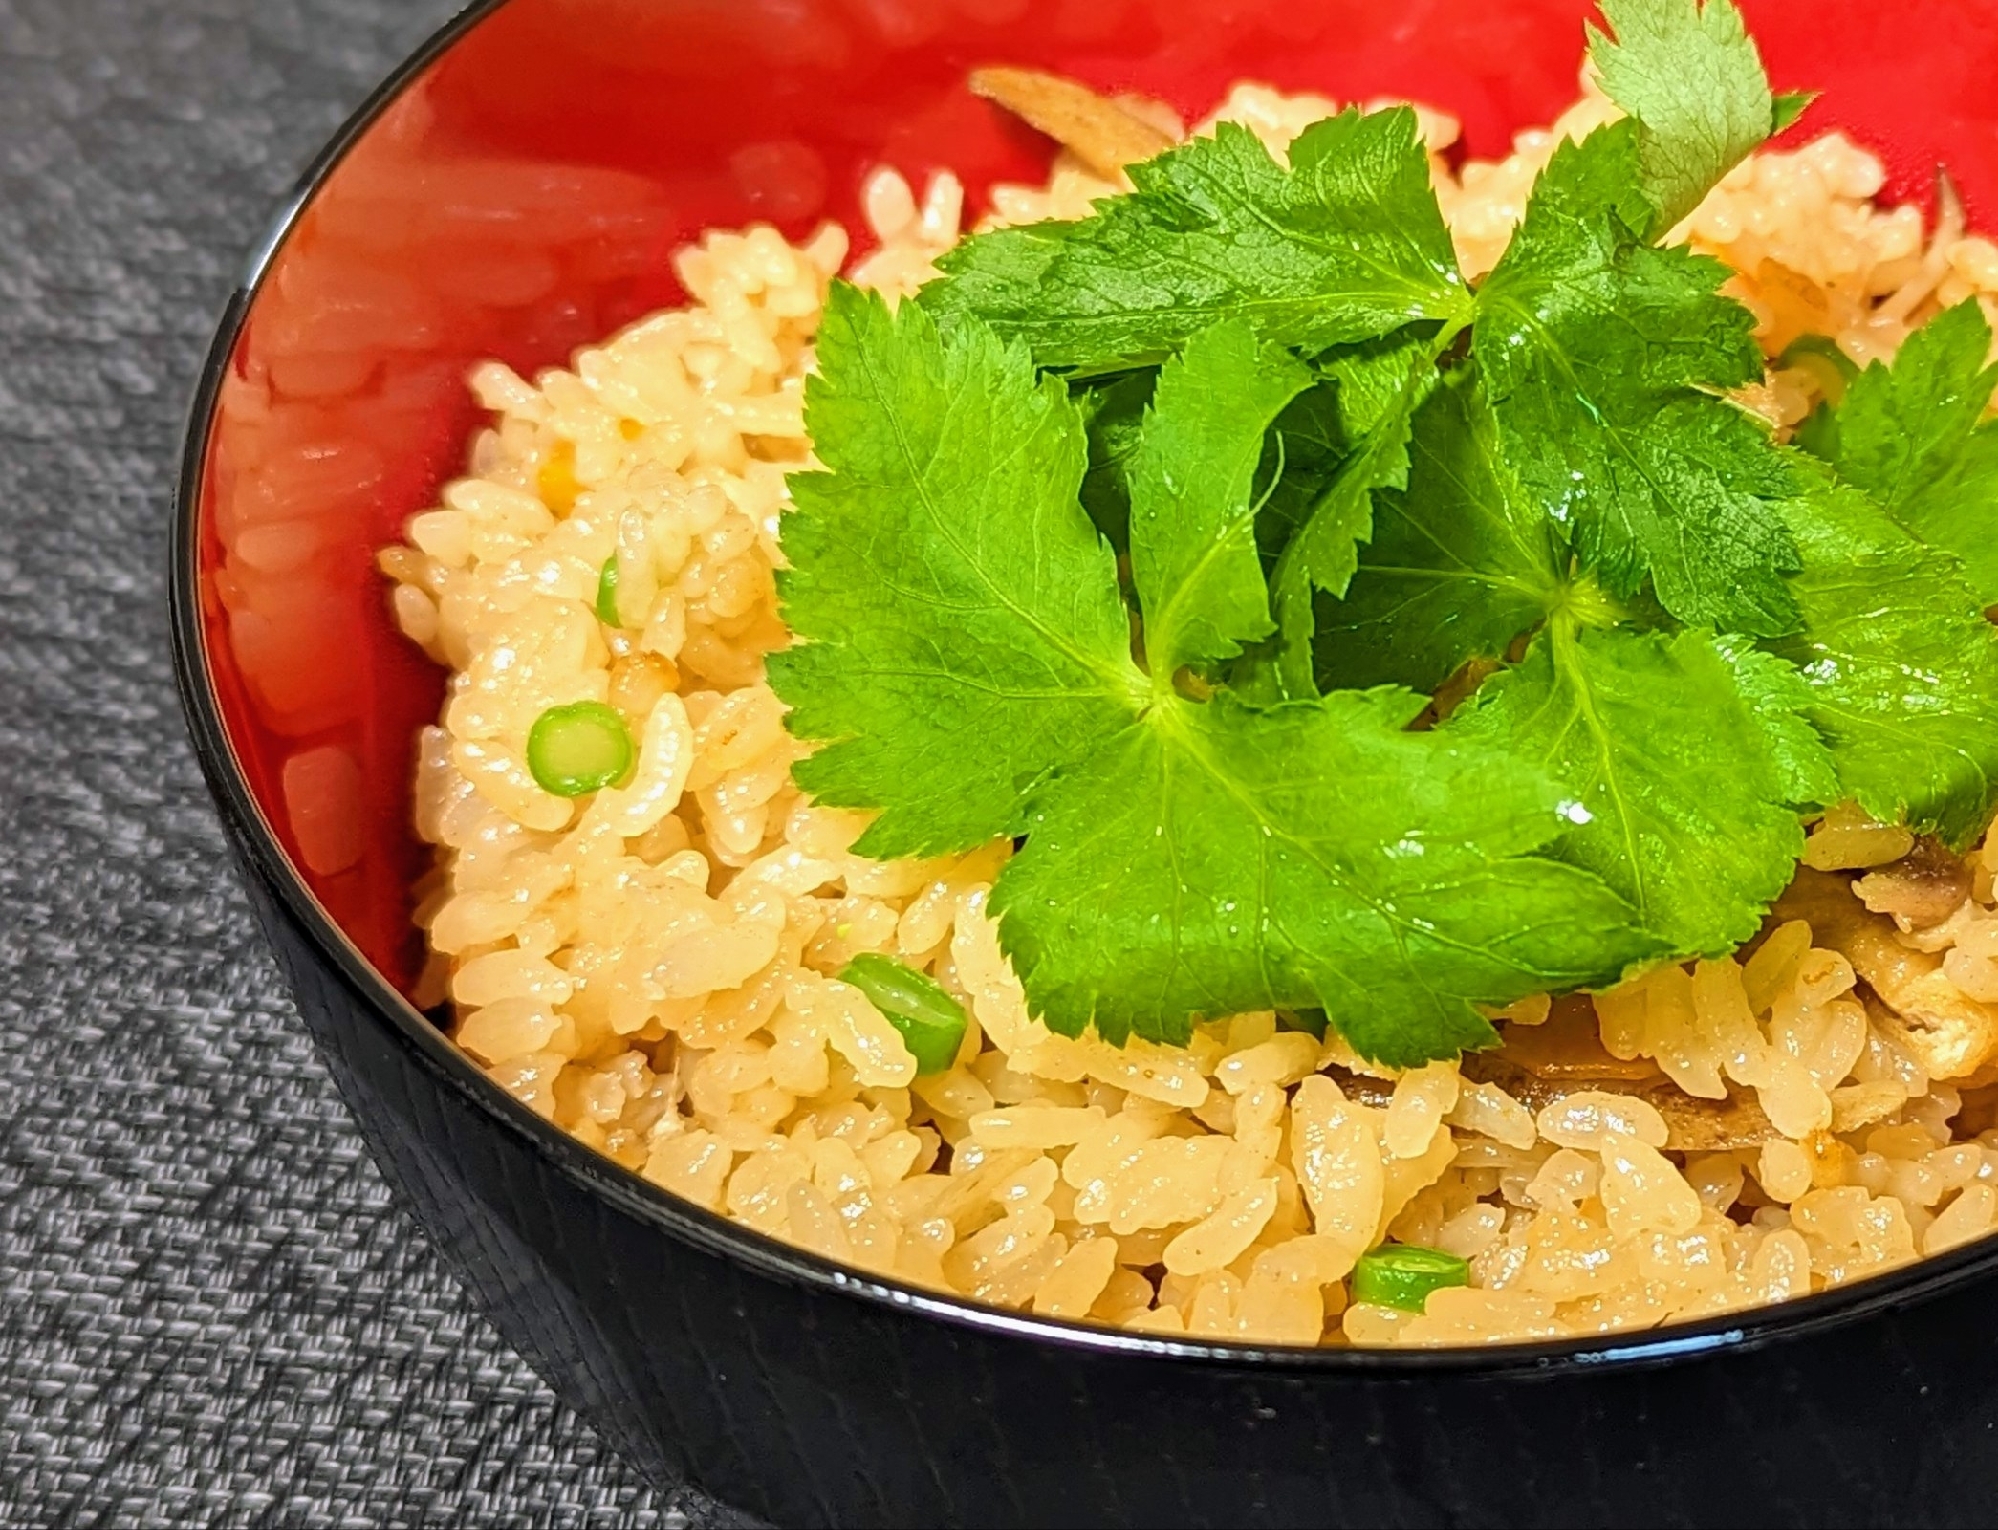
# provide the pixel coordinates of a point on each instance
(210, 1312)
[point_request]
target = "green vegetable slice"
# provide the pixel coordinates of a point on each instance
(578, 749)
(1404, 1276)
(931, 1022)
(607, 594)
(1825, 359)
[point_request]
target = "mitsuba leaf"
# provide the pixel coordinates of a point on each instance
(1690, 75)
(1460, 564)
(1345, 244)
(1782, 702)
(959, 628)
(963, 661)
(1192, 478)
(1311, 855)
(1913, 436)
(1380, 392)
(1113, 411)
(1359, 386)
(1305, 447)
(1789, 108)
(1676, 800)
(1602, 357)
(1900, 666)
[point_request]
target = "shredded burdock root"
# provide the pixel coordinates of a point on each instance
(1103, 134)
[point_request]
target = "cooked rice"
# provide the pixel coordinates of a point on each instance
(651, 968)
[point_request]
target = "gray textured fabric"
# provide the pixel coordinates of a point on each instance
(209, 1311)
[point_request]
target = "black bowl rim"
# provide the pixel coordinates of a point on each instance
(593, 1174)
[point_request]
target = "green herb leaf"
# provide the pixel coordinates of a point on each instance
(1459, 566)
(1314, 855)
(1379, 394)
(1345, 244)
(1677, 802)
(1789, 107)
(964, 654)
(1114, 412)
(1900, 665)
(960, 632)
(1782, 700)
(1192, 477)
(1689, 74)
(1913, 436)
(1602, 356)
(1307, 444)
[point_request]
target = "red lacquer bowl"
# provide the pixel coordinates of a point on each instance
(518, 190)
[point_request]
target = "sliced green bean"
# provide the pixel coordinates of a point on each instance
(932, 1023)
(607, 594)
(1403, 1276)
(578, 749)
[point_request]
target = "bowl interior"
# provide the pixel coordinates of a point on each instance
(524, 193)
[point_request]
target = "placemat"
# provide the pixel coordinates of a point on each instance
(210, 1311)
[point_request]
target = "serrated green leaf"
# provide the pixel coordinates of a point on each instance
(1113, 412)
(1314, 855)
(963, 658)
(1901, 666)
(959, 629)
(1688, 72)
(1345, 244)
(1602, 356)
(1306, 446)
(1458, 566)
(1358, 385)
(1914, 437)
(1677, 801)
(1788, 108)
(1782, 701)
(1325, 548)
(1192, 477)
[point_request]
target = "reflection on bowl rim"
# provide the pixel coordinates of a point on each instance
(593, 1174)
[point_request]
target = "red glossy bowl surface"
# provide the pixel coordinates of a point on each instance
(525, 193)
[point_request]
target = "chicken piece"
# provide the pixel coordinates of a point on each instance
(1923, 888)
(1099, 132)
(1949, 1033)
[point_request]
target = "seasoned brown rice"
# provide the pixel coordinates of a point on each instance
(651, 968)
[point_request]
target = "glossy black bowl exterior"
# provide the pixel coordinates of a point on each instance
(811, 1395)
